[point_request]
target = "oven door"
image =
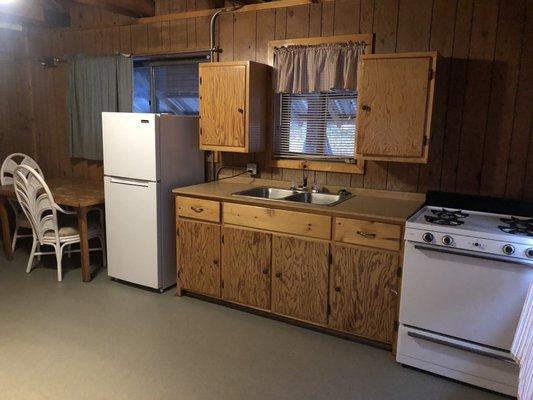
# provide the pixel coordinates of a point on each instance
(463, 296)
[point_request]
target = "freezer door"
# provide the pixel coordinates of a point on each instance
(131, 143)
(132, 230)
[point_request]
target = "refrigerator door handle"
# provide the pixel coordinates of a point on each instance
(128, 182)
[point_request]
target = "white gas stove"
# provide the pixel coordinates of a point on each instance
(466, 276)
(503, 236)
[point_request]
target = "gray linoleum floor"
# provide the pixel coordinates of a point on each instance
(106, 340)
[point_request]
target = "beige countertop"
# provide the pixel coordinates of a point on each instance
(366, 203)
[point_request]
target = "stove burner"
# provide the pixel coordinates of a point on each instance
(446, 217)
(516, 226)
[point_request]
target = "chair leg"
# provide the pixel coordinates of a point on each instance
(38, 251)
(59, 255)
(104, 251)
(15, 237)
(69, 251)
(32, 254)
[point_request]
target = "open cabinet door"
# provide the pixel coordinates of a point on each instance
(395, 103)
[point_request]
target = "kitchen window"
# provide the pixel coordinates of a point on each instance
(166, 85)
(317, 126)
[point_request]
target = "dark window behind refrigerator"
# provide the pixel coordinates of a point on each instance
(166, 86)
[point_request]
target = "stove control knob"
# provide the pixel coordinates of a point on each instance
(428, 237)
(529, 253)
(508, 249)
(447, 240)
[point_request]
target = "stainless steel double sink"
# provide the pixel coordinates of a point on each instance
(297, 196)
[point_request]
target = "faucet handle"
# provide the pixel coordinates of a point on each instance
(315, 188)
(343, 192)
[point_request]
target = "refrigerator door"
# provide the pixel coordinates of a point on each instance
(131, 144)
(132, 230)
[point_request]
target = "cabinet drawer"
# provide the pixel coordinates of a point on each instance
(292, 222)
(205, 210)
(368, 233)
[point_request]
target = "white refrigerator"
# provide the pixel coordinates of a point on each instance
(145, 156)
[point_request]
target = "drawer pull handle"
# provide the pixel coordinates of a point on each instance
(394, 291)
(278, 274)
(366, 235)
(197, 209)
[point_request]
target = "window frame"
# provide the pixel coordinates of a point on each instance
(159, 60)
(304, 163)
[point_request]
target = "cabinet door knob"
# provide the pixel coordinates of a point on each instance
(240, 110)
(278, 274)
(265, 271)
(366, 108)
(394, 291)
(215, 262)
(337, 288)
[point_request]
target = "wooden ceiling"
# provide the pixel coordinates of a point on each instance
(55, 13)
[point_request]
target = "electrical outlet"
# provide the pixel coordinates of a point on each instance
(253, 168)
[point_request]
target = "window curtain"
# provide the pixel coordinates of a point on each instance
(95, 84)
(318, 68)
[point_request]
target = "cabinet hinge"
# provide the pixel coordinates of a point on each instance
(399, 272)
(396, 326)
(200, 80)
(431, 74)
(330, 258)
(177, 231)
(424, 141)
(222, 239)
(201, 131)
(222, 284)
(329, 309)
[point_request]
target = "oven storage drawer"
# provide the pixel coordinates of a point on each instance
(456, 359)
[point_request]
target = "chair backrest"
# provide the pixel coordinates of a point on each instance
(7, 171)
(36, 201)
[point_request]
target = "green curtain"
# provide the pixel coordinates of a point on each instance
(95, 84)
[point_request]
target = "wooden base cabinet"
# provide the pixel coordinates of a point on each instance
(363, 292)
(300, 278)
(246, 267)
(198, 255)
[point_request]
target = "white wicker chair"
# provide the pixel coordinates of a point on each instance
(7, 171)
(41, 210)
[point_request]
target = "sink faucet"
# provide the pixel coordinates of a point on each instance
(303, 186)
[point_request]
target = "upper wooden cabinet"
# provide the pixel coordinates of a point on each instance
(395, 103)
(233, 108)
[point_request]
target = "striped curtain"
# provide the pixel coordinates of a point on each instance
(522, 349)
(317, 68)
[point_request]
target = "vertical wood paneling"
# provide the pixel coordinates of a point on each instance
(502, 100)
(479, 80)
(481, 142)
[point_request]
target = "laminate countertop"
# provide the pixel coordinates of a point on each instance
(365, 203)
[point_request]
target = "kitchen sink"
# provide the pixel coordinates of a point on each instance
(296, 196)
(326, 199)
(266, 193)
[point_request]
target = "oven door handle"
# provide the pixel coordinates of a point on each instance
(458, 346)
(473, 254)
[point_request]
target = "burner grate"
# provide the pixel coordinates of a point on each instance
(517, 226)
(446, 217)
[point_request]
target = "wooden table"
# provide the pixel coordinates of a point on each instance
(78, 193)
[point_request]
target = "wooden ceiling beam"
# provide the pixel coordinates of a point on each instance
(132, 8)
(28, 12)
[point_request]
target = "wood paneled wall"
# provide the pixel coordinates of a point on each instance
(16, 111)
(481, 143)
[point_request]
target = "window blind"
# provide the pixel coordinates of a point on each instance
(319, 126)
